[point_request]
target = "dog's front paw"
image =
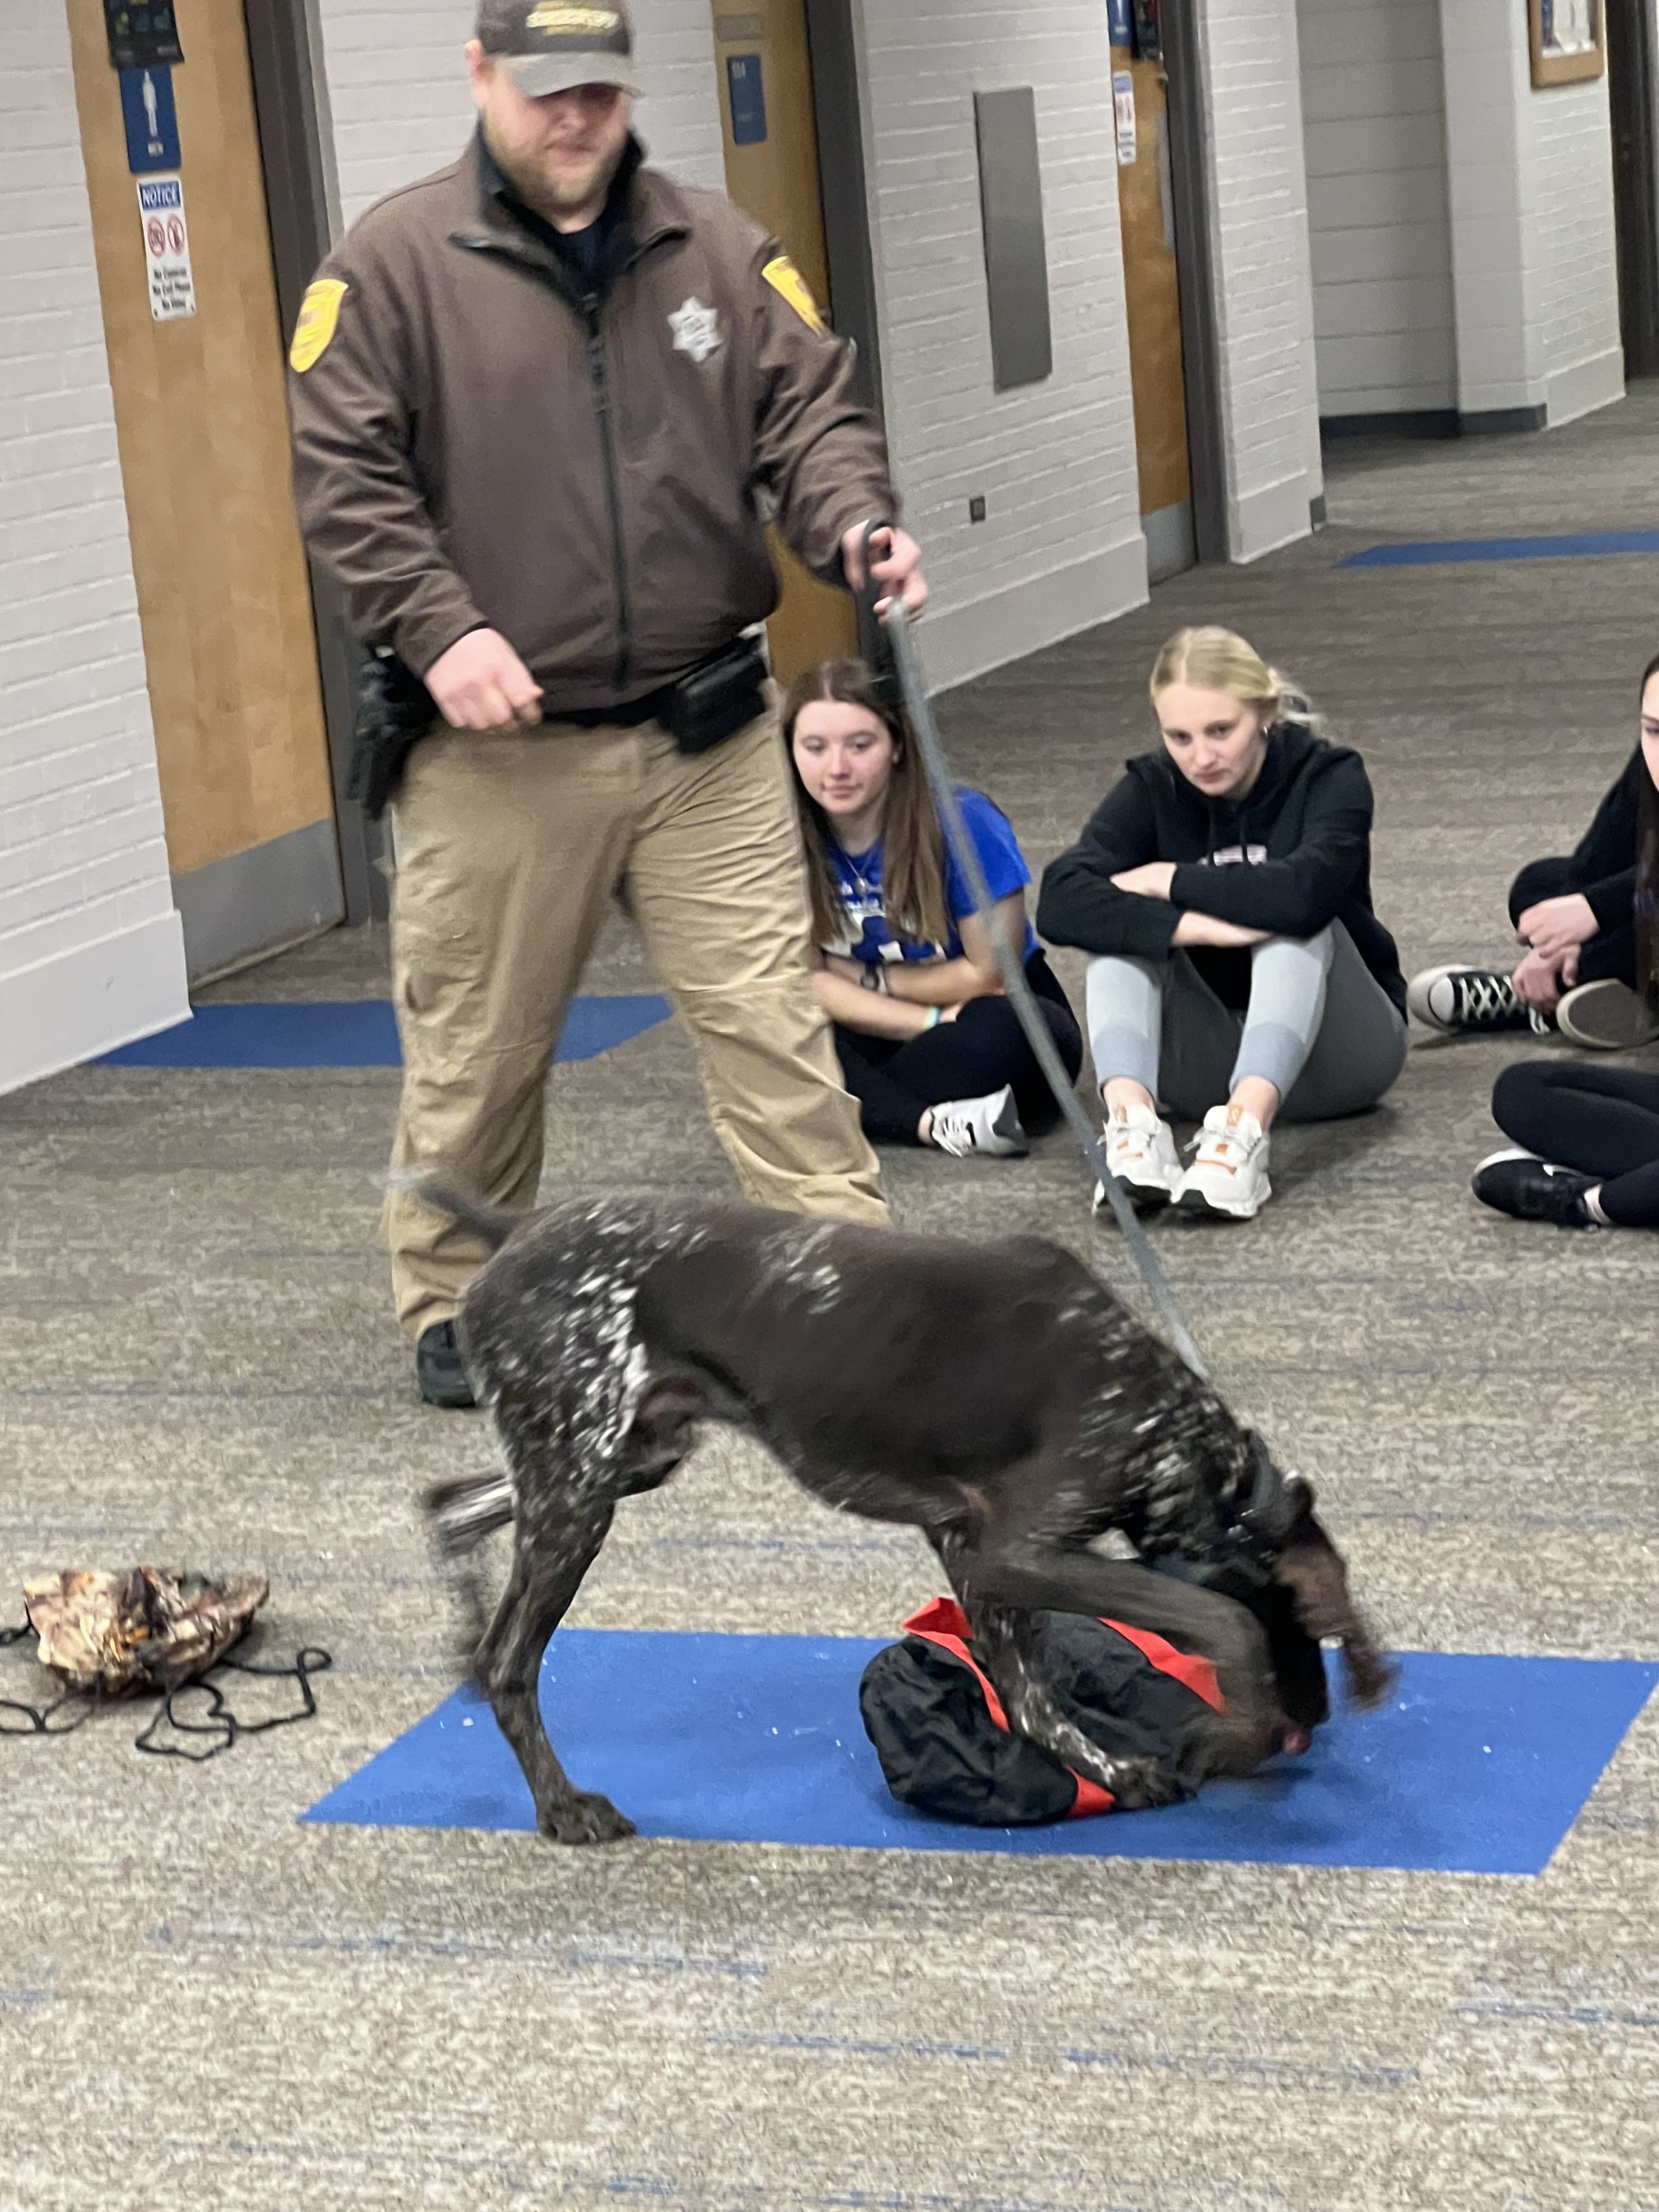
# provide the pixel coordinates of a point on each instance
(585, 1817)
(1140, 1785)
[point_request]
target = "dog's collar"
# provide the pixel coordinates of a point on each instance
(1263, 1526)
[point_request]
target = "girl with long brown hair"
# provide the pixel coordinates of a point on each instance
(903, 965)
(1584, 971)
(1586, 1137)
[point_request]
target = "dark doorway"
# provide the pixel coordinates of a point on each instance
(291, 157)
(1187, 97)
(1631, 90)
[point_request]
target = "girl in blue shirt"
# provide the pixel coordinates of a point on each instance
(902, 963)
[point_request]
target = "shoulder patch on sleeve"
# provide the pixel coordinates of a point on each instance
(787, 280)
(319, 315)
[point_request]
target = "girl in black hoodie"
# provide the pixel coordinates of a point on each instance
(1224, 886)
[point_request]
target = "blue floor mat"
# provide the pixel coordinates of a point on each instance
(355, 1032)
(1580, 545)
(1479, 1765)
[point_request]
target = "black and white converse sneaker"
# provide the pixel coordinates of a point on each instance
(1532, 1189)
(1459, 997)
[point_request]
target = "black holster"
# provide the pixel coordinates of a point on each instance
(716, 698)
(395, 712)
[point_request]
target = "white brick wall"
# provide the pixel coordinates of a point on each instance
(1531, 224)
(1264, 305)
(1576, 272)
(396, 79)
(90, 950)
(1373, 113)
(1061, 544)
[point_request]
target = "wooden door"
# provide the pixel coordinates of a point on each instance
(1152, 296)
(771, 166)
(201, 423)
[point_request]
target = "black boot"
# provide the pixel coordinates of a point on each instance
(440, 1371)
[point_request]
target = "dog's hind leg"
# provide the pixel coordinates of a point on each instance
(548, 1568)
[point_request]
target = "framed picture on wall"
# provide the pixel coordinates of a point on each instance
(1568, 41)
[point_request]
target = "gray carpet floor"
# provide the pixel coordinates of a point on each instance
(201, 2002)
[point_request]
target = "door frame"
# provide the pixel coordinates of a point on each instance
(1631, 99)
(1189, 134)
(298, 181)
(843, 186)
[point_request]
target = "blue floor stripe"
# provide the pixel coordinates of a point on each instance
(1479, 1765)
(360, 1033)
(1580, 545)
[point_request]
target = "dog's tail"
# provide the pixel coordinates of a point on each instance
(492, 1224)
(465, 1509)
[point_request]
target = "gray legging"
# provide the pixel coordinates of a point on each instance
(1319, 1028)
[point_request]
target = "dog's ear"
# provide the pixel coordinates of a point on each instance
(1312, 1568)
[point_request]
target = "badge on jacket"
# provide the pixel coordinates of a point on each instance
(696, 329)
(319, 316)
(787, 280)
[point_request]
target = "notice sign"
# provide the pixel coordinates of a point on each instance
(1123, 108)
(166, 248)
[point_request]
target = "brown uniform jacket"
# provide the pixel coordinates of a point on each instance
(479, 442)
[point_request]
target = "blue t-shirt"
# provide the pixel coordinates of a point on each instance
(858, 879)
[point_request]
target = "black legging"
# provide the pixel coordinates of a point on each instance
(1597, 1121)
(896, 1081)
(1610, 955)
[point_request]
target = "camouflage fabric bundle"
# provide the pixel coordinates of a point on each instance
(148, 1629)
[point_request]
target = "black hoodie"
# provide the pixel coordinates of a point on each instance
(1603, 861)
(1303, 835)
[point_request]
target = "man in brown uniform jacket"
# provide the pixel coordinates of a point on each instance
(534, 397)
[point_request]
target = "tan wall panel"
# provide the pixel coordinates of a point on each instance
(202, 422)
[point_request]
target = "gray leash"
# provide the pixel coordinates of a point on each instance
(1020, 997)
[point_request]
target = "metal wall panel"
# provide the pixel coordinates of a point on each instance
(1016, 254)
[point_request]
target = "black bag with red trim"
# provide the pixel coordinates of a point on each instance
(944, 1741)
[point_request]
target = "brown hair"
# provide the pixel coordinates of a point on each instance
(913, 850)
(1646, 902)
(1219, 660)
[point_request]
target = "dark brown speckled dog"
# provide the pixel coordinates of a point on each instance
(995, 1396)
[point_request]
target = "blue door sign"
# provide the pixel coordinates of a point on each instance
(152, 127)
(748, 99)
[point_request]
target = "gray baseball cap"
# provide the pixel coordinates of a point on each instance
(553, 45)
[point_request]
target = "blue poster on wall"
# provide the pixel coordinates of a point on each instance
(152, 127)
(748, 93)
(1120, 22)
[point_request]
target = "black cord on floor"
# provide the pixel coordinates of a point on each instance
(218, 1722)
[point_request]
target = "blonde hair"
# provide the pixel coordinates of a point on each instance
(1214, 659)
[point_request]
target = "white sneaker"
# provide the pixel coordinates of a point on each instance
(1140, 1151)
(1229, 1174)
(988, 1125)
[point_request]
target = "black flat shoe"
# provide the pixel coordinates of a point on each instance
(1533, 1189)
(440, 1371)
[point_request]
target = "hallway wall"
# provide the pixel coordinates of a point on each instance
(1061, 546)
(91, 953)
(1374, 107)
(1263, 274)
(402, 110)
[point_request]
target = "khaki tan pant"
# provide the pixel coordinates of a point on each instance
(508, 849)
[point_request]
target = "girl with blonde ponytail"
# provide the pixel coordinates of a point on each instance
(1223, 886)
